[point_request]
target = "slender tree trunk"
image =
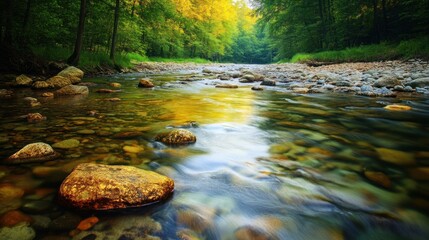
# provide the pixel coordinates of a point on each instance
(27, 15)
(74, 58)
(6, 27)
(385, 24)
(115, 31)
(375, 21)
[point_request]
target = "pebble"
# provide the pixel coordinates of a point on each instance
(133, 149)
(397, 107)
(87, 223)
(396, 157)
(67, 144)
(13, 218)
(18, 232)
(379, 178)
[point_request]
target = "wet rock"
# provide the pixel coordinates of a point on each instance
(35, 117)
(251, 233)
(224, 77)
(379, 178)
(86, 131)
(420, 82)
(73, 90)
(40, 222)
(419, 173)
(198, 221)
(115, 85)
(176, 137)
(395, 157)
(127, 135)
(300, 90)
(87, 223)
(74, 74)
(23, 81)
(145, 83)
(65, 222)
(40, 85)
(34, 152)
(387, 81)
(13, 218)
(206, 70)
(36, 206)
(103, 90)
(226, 86)
(257, 88)
(258, 77)
(10, 197)
(187, 234)
(19, 232)
(397, 107)
(50, 173)
(268, 82)
(112, 99)
(133, 149)
(249, 77)
(4, 93)
(67, 144)
(343, 84)
(58, 82)
(99, 187)
(48, 94)
(244, 80)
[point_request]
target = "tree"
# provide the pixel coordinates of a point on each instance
(74, 58)
(115, 31)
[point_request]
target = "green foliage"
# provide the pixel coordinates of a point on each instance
(414, 48)
(320, 25)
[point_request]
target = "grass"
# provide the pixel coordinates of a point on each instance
(89, 60)
(414, 48)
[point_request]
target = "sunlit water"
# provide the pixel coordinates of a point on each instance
(266, 164)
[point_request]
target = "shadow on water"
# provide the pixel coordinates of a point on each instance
(266, 165)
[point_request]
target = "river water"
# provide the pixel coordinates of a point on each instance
(266, 165)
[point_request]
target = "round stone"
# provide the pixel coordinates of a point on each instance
(100, 187)
(145, 83)
(34, 152)
(177, 137)
(66, 144)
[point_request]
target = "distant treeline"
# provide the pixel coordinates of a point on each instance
(317, 25)
(218, 30)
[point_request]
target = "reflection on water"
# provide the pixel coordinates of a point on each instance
(266, 165)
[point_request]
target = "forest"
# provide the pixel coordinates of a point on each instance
(259, 31)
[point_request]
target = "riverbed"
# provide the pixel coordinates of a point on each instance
(270, 164)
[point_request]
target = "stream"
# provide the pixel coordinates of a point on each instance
(266, 165)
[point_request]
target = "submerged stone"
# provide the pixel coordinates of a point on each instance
(66, 144)
(13, 218)
(19, 232)
(73, 90)
(34, 152)
(35, 117)
(145, 83)
(397, 107)
(226, 86)
(177, 137)
(100, 187)
(396, 157)
(378, 178)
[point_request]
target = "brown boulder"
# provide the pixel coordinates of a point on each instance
(93, 186)
(72, 73)
(58, 82)
(176, 137)
(73, 90)
(35, 117)
(34, 152)
(40, 85)
(145, 83)
(23, 81)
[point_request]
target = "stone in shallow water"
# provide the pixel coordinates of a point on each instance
(177, 137)
(35, 117)
(378, 178)
(73, 90)
(34, 152)
(13, 218)
(395, 157)
(420, 173)
(100, 187)
(19, 232)
(226, 86)
(133, 149)
(66, 144)
(145, 83)
(397, 107)
(74, 74)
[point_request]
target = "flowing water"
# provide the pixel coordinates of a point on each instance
(266, 164)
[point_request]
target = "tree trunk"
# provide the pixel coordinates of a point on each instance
(115, 31)
(27, 15)
(385, 24)
(375, 21)
(74, 58)
(6, 25)
(133, 8)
